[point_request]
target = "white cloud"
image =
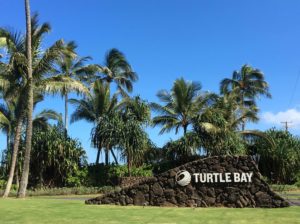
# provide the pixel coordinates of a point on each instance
(291, 115)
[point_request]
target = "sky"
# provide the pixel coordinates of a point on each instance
(199, 40)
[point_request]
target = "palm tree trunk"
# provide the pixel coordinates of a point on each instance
(243, 111)
(106, 155)
(129, 165)
(98, 156)
(184, 130)
(115, 158)
(17, 176)
(26, 163)
(66, 112)
(8, 141)
(14, 156)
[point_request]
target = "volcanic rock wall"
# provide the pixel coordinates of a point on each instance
(164, 189)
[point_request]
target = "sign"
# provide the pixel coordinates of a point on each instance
(183, 177)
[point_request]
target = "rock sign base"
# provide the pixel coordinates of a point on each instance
(165, 190)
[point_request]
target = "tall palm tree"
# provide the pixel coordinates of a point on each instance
(25, 172)
(228, 106)
(181, 105)
(15, 80)
(72, 66)
(118, 70)
(247, 84)
(93, 107)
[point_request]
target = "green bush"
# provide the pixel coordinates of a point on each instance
(101, 175)
(281, 162)
(122, 171)
(2, 184)
(78, 178)
(298, 180)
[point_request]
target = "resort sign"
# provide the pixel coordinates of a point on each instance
(183, 177)
(229, 181)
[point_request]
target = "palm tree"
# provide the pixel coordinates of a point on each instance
(25, 172)
(93, 107)
(15, 80)
(117, 69)
(182, 105)
(225, 136)
(72, 66)
(246, 84)
(228, 106)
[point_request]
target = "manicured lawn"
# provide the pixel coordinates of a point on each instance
(57, 211)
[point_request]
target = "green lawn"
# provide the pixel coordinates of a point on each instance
(58, 211)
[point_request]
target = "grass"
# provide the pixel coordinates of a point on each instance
(41, 211)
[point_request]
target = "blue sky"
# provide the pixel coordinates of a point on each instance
(163, 40)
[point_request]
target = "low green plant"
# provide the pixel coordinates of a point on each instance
(64, 191)
(2, 184)
(122, 171)
(78, 178)
(101, 175)
(282, 187)
(298, 180)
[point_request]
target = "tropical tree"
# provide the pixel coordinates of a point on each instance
(15, 79)
(25, 172)
(124, 130)
(118, 70)
(56, 157)
(280, 163)
(246, 84)
(40, 122)
(93, 108)
(182, 149)
(72, 66)
(225, 119)
(135, 142)
(181, 106)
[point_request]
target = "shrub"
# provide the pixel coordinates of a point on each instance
(64, 191)
(100, 175)
(78, 178)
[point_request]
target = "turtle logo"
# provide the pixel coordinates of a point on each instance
(183, 178)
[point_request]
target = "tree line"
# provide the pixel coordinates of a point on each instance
(211, 123)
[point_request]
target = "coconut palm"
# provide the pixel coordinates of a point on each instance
(92, 109)
(72, 66)
(182, 105)
(117, 69)
(247, 84)
(15, 80)
(226, 118)
(228, 106)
